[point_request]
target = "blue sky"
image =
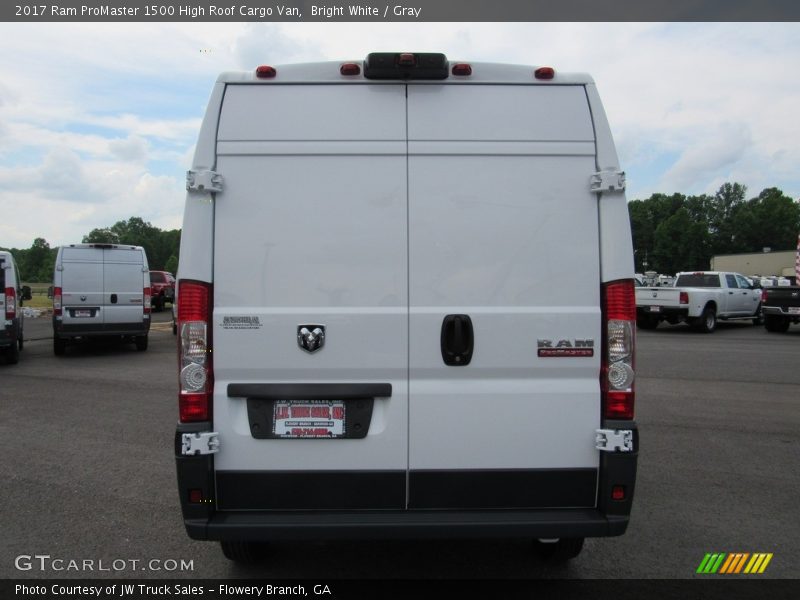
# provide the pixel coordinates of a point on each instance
(98, 121)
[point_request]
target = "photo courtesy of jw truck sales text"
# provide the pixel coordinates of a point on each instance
(382, 331)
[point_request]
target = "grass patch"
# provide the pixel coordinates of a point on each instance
(38, 302)
(39, 297)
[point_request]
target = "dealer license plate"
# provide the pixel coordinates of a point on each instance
(308, 418)
(655, 309)
(83, 313)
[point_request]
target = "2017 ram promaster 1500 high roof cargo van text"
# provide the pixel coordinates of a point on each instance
(368, 342)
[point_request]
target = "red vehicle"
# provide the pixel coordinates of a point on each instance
(162, 286)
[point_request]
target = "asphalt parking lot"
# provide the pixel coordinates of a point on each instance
(88, 468)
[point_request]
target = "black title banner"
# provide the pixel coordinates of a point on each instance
(411, 11)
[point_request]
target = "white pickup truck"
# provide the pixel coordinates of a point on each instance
(699, 299)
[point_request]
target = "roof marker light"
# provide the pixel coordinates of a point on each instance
(265, 72)
(544, 73)
(350, 69)
(462, 69)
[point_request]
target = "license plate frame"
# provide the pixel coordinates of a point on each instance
(303, 419)
(82, 313)
(332, 419)
(794, 310)
(655, 309)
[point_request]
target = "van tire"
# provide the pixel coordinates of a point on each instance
(12, 354)
(59, 346)
(21, 342)
(561, 551)
(245, 553)
(141, 342)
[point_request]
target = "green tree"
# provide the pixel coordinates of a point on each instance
(159, 245)
(681, 244)
(645, 217)
(101, 236)
(771, 220)
(41, 260)
(172, 265)
(643, 231)
(722, 210)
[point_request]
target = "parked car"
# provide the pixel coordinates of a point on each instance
(700, 299)
(365, 344)
(12, 295)
(781, 307)
(162, 289)
(100, 290)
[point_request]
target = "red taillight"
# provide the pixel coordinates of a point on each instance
(11, 303)
(462, 69)
(147, 299)
(57, 302)
(620, 300)
(193, 407)
(266, 72)
(406, 60)
(684, 297)
(618, 492)
(350, 69)
(196, 373)
(617, 371)
(764, 294)
(544, 73)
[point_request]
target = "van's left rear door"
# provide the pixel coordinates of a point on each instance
(123, 281)
(311, 233)
(82, 290)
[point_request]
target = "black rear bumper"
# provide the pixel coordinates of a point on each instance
(254, 526)
(110, 329)
(10, 335)
(317, 505)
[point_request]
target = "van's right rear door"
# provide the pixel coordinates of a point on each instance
(311, 233)
(123, 280)
(503, 230)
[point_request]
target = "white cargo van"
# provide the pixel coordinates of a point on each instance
(370, 344)
(101, 290)
(11, 296)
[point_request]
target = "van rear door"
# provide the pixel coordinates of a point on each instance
(2, 284)
(124, 274)
(504, 232)
(311, 234)
(82, 288)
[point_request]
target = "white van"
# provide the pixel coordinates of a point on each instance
(370, 344)
(101, 290)
(12, 295)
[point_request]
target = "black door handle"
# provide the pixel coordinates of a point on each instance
(113, 298)
(457, 340)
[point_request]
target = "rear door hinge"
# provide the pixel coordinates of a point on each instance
(613, 440)
(206, 442)
(203, 180)
(608, 181)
